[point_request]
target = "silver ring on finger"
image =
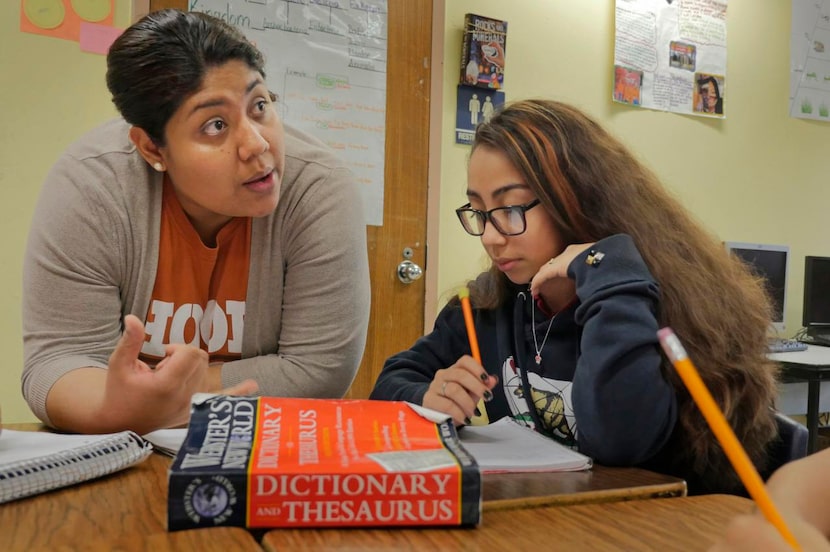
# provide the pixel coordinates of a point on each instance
(444, 389)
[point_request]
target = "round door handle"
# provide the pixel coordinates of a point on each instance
(408, 272)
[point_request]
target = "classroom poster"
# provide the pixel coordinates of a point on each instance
(326, 60)
(810, 60)
(670, 55)
(475, 105)
(88, 22)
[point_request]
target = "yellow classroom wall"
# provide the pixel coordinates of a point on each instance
(757, 176)
(50, 92)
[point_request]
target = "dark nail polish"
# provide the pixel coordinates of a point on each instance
(488, 396)
(467, 421)
(477, 412)
(484, 376)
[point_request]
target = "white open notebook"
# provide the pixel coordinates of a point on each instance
(508, 446)
(503, 446)
(33, 462)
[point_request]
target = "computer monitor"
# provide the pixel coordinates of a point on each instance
(816, 314)
(770, 262)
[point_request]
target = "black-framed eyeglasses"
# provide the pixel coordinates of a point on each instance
(508, 220)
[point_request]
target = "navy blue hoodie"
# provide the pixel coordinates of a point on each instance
(599, 386)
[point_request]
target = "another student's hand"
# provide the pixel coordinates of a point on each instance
(556, 268)
(456, 390)
(751, 533)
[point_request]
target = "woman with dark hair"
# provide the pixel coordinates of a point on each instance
(194, 245)
(708, 91)
(590, 257)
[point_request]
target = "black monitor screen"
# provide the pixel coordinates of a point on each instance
(771, 265)
(816, 291)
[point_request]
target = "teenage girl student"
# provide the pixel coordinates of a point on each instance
(590, 257)
(193, 245)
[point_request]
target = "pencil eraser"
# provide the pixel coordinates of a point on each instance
(663, 333)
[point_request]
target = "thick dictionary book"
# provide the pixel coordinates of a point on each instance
(33, 462)
(483, 50)
(505, 446)
(263, 462)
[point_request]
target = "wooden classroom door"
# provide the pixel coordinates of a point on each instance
(397, 315)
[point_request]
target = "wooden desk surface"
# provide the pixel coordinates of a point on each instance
(600, 484)
(128, 510)
(683, 523)
(123, 511)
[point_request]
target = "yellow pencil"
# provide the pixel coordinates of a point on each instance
(720, 427)
(464, 295)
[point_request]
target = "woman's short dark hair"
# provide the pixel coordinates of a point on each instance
(703, 81)
(161, 60)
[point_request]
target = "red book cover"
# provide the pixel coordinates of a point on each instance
(263, 462)
(483, 51)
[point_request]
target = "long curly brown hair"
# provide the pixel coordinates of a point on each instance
(594, 187)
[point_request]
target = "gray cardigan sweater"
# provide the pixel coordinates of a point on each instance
(92, 255)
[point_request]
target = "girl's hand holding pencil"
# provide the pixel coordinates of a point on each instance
(462, 390)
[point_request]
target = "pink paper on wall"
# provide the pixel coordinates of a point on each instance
(97, 38)
(63, 18)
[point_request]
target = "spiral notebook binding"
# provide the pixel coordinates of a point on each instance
(100, 456)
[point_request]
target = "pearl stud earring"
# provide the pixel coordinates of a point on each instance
(158, 166)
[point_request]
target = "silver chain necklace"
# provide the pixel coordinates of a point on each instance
(538, 357)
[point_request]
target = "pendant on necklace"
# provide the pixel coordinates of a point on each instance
(538, 359)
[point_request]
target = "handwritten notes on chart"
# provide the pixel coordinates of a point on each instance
(671, 55)
(326, 59)
(810, 59)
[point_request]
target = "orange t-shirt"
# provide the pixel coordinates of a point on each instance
(199, 294)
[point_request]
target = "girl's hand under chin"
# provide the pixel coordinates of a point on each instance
(551, 274)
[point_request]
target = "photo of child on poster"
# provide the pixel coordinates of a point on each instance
(708, 94)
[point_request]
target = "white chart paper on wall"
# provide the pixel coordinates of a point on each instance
(326, 59)
(810, 60)
(670, 55)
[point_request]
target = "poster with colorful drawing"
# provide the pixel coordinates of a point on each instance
(670, 55)
(89, 22)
